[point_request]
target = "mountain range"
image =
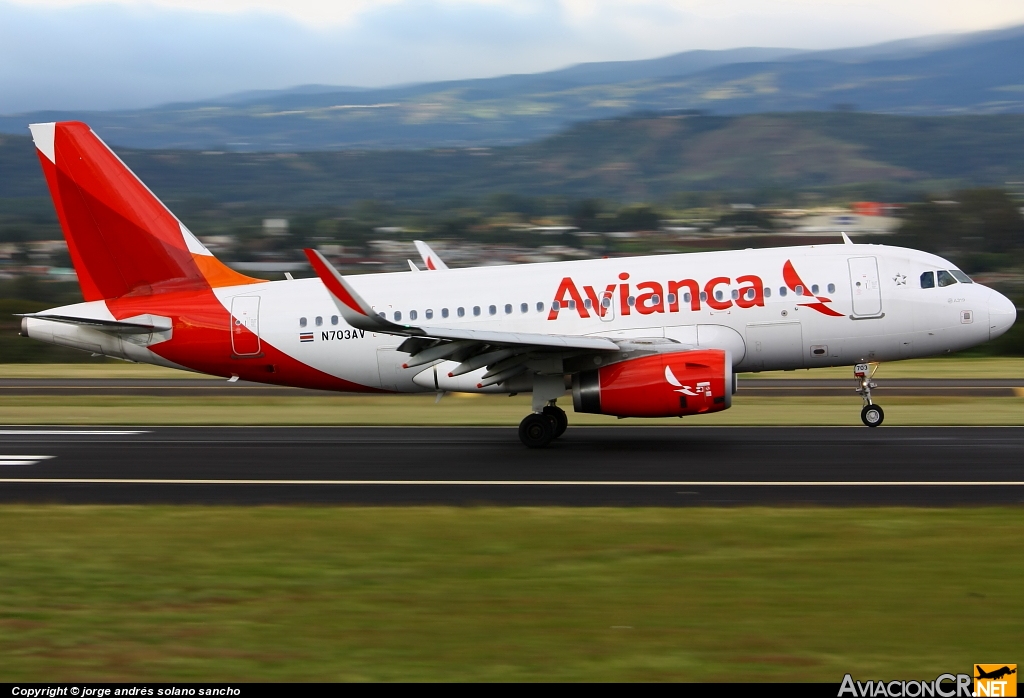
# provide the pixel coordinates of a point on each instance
(977, 73)
(628, 159)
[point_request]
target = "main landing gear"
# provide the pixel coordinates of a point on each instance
(539, 429)
(872, 414)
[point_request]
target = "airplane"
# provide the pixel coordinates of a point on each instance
(648, 336)
(995, 674)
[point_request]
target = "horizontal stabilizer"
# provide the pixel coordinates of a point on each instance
(115, 326)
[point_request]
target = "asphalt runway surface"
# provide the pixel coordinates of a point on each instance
(985, 387)
(589, 466)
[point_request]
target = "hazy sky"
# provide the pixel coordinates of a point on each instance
(75, 54)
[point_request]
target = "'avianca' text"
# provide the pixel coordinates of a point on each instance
(654, 297)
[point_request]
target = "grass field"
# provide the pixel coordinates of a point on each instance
(482, 410)
(324, 593)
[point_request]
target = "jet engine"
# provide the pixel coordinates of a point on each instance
(663, 385)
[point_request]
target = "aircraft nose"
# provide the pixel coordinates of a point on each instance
(1001, 314)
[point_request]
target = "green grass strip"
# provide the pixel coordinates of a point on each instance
(483, 410)
(279, 593)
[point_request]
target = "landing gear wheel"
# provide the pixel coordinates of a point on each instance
(537, 430)
(872, 415)
(561, 421)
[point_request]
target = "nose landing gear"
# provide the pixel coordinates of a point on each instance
(872, 414)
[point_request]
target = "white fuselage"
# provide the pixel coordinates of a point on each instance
(861, 303)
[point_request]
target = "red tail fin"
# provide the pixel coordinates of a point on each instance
(122, 239)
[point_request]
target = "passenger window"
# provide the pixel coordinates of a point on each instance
(587, 303)
(814, 289)
(444, 312)
(703, 295)
(960, 276)
(735, 294)
(718, 295)
(831, 288)
(631, 301)
(671, 298)
(750, 294)
(606, 302)
(398, 315)
(412, 314)
(334, 319)
(799, 290)
(655, 299)
(555, 305)
(383, 315)
(508, 308)
(302, 322)
(492, 310)
(524, 308)
(429, 313)
(687, 297)
(782, 291)
(767, 292)
(572, 305)
(476, 311)
(462, 312)
(540, 307)
(945, 278)
(319, 321)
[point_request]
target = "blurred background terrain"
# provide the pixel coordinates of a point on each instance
(917, 143)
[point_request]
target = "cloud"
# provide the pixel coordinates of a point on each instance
(69, 54)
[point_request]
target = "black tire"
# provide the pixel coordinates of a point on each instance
(561, 420)
(537, 430)
(872, 415)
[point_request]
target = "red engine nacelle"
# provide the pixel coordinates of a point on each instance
(663, 385)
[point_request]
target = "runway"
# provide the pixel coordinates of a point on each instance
(589, 466)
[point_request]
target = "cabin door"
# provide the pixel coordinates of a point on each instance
(867, 292)
(245, 325)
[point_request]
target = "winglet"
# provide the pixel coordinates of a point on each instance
(846, 239)
(356, 311)
(430, 258)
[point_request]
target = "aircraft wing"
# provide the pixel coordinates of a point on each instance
(361, 315)
(430, 258)
(504, 353)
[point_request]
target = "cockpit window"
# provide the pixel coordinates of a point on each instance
(960, 276)
(928, 279)
(945, 278)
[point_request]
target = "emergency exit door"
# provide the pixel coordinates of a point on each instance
(245, 325)
(867, 292)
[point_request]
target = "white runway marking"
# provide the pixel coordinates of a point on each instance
(67, 432)
(22, 460)
(527, 483)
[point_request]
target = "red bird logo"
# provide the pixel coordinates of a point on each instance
(794, 282)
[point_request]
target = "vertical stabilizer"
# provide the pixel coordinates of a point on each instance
(122, 239)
